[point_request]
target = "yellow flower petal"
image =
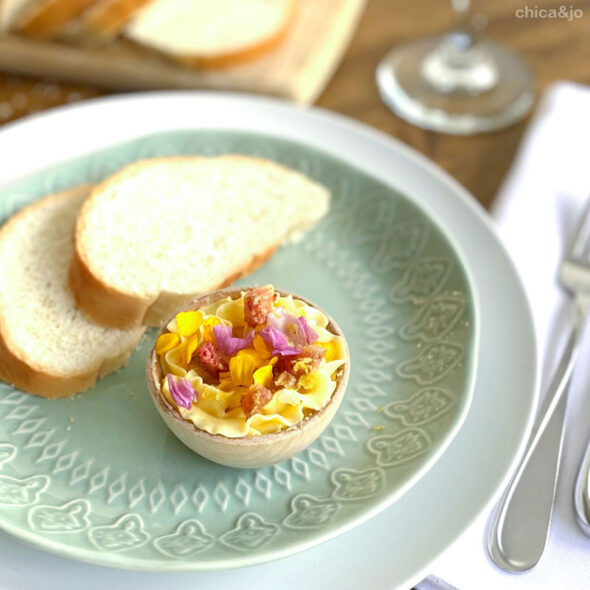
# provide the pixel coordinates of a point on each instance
(261, 347)
(263, 376)
(256, 358)
(166, 342)
(190, 346)
(242, 368)
(208, 334)
(331, 350)
(188, 322)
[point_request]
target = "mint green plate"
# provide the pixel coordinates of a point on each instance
(100, 478)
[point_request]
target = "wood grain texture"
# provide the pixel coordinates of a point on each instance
(556, 49)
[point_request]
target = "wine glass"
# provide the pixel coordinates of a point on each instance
(456, 83)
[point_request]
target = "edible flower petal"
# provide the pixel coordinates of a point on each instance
(182, 391)
(309, 333)
(331, 350)
(166, 342)
(261, 347)
(191, 345)
(188, 322)
(296, 329)
(278, 341)
(226, 343)
(263, 376)
(208, 325)
(242, 368)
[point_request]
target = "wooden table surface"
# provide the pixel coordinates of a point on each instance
(556, 49)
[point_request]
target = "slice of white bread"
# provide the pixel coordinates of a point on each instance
(8, 11)
(160, 232)
(102, 22)
(203, 33)
(47, 346)
(46, 19)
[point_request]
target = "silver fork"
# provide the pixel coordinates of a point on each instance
(519, 529)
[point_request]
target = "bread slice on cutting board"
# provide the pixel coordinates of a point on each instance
(160, 232)
(102, 21)
(47, 346)
(46, 19)
(208, 34)
(8, 11)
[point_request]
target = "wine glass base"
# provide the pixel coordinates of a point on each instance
(406, 91)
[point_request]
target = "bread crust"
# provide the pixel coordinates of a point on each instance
(48, 19)
(107, 19)
(24, 376)
(108, 306)
(103, 304)
(19, 370)
(237, 57)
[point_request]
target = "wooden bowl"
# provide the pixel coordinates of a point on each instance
(246, 451)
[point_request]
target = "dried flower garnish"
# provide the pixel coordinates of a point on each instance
(181, 391)
(226, 363)
(207, 328)
(264, 375)
(226, 343)
(166, 342)
(261, 347)
(296, 329)
(310, 334)
(278, 342)
(190, 346)
(188, 322)
(242, 367)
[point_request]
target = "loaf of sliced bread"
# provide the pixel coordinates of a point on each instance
(162, 231)
(206, 34)
(9, 9)
(102, 21)
(47, 346)
(46, 19)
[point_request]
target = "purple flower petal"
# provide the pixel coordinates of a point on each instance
(290, 326)
(182, 391)
(310, 334)
(278, 341)
(226, 343)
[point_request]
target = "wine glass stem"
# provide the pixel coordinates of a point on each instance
(458, 64)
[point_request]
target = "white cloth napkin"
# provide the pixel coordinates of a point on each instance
(536, 211)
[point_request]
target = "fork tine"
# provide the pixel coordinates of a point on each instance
(580, 249)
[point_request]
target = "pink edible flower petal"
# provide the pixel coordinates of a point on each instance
(310, 334)
(226, 343)
(289, 325)
(278, 341)
(182, 391)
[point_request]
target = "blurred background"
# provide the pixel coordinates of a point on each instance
(328, 57)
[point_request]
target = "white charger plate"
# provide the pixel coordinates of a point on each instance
(393, 549)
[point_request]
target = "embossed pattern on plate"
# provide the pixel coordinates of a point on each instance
(100, 477)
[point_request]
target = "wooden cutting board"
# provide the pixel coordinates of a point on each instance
(298, 69)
